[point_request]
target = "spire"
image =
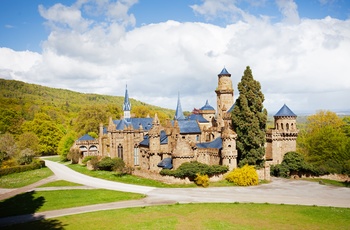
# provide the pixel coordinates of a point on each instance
(127, 104)
(179, 114)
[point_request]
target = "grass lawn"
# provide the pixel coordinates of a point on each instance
(59, 183)
(39, 201)
(329, 182)
(203, 216)
(17, 180)
(128, 179)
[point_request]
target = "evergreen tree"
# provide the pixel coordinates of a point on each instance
(249, 121)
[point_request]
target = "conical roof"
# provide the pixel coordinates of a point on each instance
(224, 72)
(207, 106)
(285, 112)
(179, 115)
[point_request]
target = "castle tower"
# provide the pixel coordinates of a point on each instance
(207, 111)
(282, 138)
(179, 115)
(229, 151)
(154, 144)
(127, 104)
(224, 95)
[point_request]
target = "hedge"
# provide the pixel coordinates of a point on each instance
(22, 168)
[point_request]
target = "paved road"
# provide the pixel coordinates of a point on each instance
(279, 191)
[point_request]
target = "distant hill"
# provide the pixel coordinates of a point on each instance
(20, 101)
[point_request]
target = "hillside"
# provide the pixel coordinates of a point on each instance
(45, 111)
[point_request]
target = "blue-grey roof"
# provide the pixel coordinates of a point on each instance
(230, 110)
(188, 126)
(86, 137)
(179, 115)
(134, 122)
(207, 106)
(215, 144)
(197, 117)
(224, 72)
(285, 112)
(127, 104)
(163, 139)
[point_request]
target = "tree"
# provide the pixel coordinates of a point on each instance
(65, 144)
(28, 140)
(324, 142)
(8, 147)
(46, 130)
(89, 119)
(249, 121)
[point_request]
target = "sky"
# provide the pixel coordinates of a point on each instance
(298, 50)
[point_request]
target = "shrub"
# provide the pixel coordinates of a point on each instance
(22, 168)
(244, 176)
(191, 169)
(25, 157)
(87, 158)
(294, 164)
(112, 164)
(202, 180)
(74, 155)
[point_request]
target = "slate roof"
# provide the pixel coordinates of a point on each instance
(216, 144)
(285, 112)
(224, 72)
(230, 110)
(134, 122)
(197, 117)
(86, 137)
(179, 115)
(127, 104)
(188, 126)
(163, 139)
(207, 106)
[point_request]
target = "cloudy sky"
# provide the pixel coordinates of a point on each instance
(298, 50)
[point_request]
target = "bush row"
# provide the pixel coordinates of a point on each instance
(22, 168)
(191, 169)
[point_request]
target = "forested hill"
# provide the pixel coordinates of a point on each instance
(47, 111)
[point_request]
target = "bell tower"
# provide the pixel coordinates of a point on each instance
(224, 95)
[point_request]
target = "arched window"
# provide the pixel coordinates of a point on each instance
(120, 151)
(136, 155)
(292, 126)
(276, 125)
(287, 127)
(282, 126)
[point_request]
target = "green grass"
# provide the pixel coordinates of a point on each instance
(39, 201)
(128, 179)
(17, 180)
(329, 182)
(204, 216)
(53, 158)
(59, 183)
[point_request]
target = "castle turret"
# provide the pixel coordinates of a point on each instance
(229, 151)
(224, 96)
(282, 138)
(126, 104)
(154, 144)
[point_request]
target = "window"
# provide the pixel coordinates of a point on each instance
(287, 127)
(136, 155)
(197, 138)
(120, 151)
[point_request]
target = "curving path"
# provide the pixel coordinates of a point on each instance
(279, 191)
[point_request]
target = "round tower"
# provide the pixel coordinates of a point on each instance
(224, 95)
(229, 152)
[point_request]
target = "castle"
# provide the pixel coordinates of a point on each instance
(204, 136)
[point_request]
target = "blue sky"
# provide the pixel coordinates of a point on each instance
(163, 47)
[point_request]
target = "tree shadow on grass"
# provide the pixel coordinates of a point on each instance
(24, 203)
(17, 211)
(38, 225)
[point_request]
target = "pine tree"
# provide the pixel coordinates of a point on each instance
(249, 121)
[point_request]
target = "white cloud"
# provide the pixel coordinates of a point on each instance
(289, 10)
(303, 64)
